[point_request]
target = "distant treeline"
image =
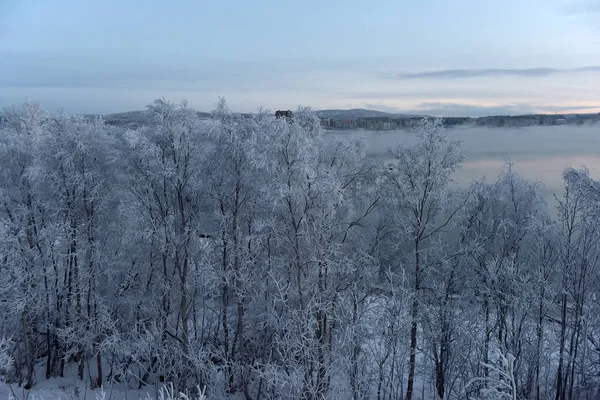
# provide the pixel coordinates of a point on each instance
(389, 123)
(136, 119)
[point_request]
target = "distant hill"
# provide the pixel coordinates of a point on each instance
(361, 113)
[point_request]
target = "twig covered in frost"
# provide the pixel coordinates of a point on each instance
(6, 359)
(501, 383)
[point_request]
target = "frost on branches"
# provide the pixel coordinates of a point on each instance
(262, 258)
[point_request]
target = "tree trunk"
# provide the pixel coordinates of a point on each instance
(414, 325)
(560, 393)
(225, 307)
(99, 369)
(540, 333)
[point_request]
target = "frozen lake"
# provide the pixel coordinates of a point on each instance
(538, 153)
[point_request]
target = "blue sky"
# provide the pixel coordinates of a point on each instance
(460, 57)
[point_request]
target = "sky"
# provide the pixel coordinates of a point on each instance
(440, 57)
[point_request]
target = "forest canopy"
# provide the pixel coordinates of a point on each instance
(256, 256)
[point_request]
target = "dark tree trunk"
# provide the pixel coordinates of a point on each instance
(414, 324)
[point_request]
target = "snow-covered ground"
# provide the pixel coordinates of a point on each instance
(53, 389)
(70, 388)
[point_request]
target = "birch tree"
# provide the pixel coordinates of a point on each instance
(23, 248)
(418, 180)
(166, 172)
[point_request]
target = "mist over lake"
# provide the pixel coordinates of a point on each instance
(538, 153)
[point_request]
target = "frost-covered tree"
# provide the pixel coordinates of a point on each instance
(25, 259)
(165, 176)
(315, 196)
(236, 181)
(56, 193)
(418, 180)
(73, 174)
(504, 234)
(579, 255)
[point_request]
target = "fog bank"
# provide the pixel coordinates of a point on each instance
(538, 153)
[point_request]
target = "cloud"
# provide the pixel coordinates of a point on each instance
(585, 7)
(132, 77)
(495, 72)
(473, 110)
(29, 71)
(594, 7)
